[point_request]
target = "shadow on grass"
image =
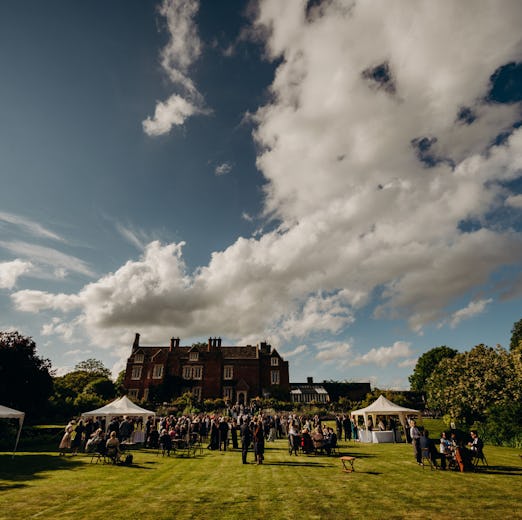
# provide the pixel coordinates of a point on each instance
(296, 463)
(500, 470)
(28, 467)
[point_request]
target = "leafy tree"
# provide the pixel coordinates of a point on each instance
(102, 387)
(93, 367)
(25, 378)
(426, 364)
(516, 336)
(120, 387)
(465, 386)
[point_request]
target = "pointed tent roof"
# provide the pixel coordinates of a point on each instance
(121, 406)
(384, 406)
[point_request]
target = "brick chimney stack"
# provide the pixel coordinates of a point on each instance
(136, 343)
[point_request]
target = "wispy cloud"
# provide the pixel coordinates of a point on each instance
(31, 226)
(48, 256)
(181, 51)
(471, 310)
(297, 350)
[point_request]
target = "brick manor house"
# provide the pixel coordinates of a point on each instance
(235, 373)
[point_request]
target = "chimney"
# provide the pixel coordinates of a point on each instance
(172, 344)
(310, 380)
(209, 344)
(177, 342)
(136, 343)
(219, 342)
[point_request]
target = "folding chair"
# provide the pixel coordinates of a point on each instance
(478, 458)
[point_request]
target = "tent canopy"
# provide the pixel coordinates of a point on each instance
(383, 406)
(119, 407)
(10, 413)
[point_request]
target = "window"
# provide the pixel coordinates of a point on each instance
(146, 394)
(187, 372)
(193, 356)
(136, 372)
(197, 372)
(139, 358)
(228, 372)
(133, 393)
(274, 361)
(157, 372)
(196, 392)
(228, 392)
(274, 377)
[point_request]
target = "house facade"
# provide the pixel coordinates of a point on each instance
(234, 373)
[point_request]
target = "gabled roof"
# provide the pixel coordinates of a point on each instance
(245, 352)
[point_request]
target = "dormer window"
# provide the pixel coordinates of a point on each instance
(274, 361)
(193, 356)
(139, 358)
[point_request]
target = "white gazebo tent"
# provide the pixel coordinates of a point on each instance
(9, 413)
(383, 406)
(119, 408)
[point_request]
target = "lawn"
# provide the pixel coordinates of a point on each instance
(386, 484)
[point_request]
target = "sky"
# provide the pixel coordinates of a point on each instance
(342, 179)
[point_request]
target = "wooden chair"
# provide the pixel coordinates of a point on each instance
(348, 460)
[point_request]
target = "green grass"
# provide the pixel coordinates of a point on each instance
(386, 484)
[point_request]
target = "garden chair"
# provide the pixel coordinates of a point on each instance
(479, 458)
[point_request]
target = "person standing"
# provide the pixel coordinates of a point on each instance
(246, 439)
(415, 441)
(259, 442)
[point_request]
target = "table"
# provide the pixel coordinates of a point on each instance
(383, 436)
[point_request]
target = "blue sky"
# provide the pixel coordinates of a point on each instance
(342, 179)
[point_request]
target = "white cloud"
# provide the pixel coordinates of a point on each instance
(408, 363)
(29, 225)
(297, 350)
(515, 201)
(383, 356)
(223, 169)
(362, 218)
(333, 351)
(29, 300)
(472, 309)
(48, 257)
(181, 51)
(11, 271)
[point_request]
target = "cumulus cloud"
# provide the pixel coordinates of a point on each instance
(333, 351)
(515, 201)
(297, 350)
(383, 356)
(376, 150)
(471, 310)
(11, 271)
(181, 51)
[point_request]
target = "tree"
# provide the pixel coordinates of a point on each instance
(93, 367)
(467, 385)
(426, 364)
(25, 378)
(516, 336)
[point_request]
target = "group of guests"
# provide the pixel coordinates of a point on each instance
(453, 451)
(318, 439)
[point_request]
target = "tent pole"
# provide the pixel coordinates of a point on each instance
(20, 423)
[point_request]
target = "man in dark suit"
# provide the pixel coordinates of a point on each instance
(246, 438)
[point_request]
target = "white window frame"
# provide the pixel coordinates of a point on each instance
(228, 372)
(197, 372)
(187, 372)
(157, 372)
(274, 361)
(136, 372)
(133, 393)
(274, 377)
(146, 394)
(139, 358)
(193, 356)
